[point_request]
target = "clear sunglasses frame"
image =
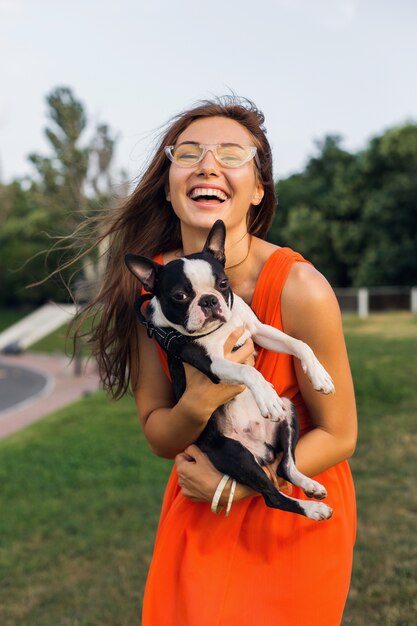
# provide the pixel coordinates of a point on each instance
(252, 153)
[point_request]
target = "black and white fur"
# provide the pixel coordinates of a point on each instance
(192, 296)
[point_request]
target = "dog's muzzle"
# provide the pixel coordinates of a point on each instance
(211, 307)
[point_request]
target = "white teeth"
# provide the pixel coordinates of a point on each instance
(202, 191)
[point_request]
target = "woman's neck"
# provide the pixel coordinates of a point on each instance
(244, 258)
(237, 248)
(244, 275)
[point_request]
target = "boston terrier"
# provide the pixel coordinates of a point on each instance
(191, 312)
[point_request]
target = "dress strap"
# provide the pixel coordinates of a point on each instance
(266, 300)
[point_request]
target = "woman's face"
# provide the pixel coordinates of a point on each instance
(239, 185)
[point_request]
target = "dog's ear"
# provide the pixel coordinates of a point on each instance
(144, 269)
(216, 240)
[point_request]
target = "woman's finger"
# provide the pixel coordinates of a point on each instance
(183, 457)
(191, 455)
(232, 339)
(193, 452)
(244, 352)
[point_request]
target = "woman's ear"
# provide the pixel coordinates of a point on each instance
(258, 194)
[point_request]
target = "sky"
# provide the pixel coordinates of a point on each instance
(314, 67)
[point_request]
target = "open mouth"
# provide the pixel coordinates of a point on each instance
(209, 195)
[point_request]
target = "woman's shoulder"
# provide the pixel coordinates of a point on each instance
(269, 273)
(275, 262)
(307, 283)
(307, 294)
(289, 280)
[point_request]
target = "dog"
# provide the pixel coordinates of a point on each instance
(191, 312)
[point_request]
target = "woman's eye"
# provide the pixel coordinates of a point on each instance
(186, 157)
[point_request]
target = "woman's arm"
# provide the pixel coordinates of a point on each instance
(169, 426)
(310, 312)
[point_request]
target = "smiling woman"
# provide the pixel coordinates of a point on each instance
(257, 564)
(201, 199)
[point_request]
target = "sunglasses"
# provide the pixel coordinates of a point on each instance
(189, 153)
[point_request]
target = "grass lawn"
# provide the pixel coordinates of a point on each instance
(81, 493)
(383, 355)
(10, 316)
(79, 506)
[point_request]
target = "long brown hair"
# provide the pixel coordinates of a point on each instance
(146, 224)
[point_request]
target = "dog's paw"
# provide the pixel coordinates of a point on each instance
(271, 407)
(269, 403)
(317, 511)
(313, 489)
(320, 379)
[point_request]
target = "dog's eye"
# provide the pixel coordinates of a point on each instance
(179, 296)
(224, 284)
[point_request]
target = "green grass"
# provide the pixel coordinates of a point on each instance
(81, 494)
(80, 501)
(55, 342)
(383, 355)
(9, 317)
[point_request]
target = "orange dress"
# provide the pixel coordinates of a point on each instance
(259, 565)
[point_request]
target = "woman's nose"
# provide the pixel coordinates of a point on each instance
(209, 163)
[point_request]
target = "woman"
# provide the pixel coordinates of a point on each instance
(257, 564)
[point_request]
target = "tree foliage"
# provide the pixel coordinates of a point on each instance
(66, 187)
(355, 215)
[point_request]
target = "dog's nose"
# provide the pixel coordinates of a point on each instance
(208, 301)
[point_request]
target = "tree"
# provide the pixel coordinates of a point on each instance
(102, 152)
(22, 237)
(68, 185)
(317, 211)
(62, 177)
(355, 215)
(389, 212)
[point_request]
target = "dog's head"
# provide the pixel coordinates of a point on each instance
(192, 294)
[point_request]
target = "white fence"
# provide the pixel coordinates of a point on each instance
(367, 300)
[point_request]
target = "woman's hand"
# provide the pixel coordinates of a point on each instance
(245, 354)
(204, 395)
(198, 478)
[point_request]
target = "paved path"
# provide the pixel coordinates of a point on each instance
(33, 385)
(18, 384)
